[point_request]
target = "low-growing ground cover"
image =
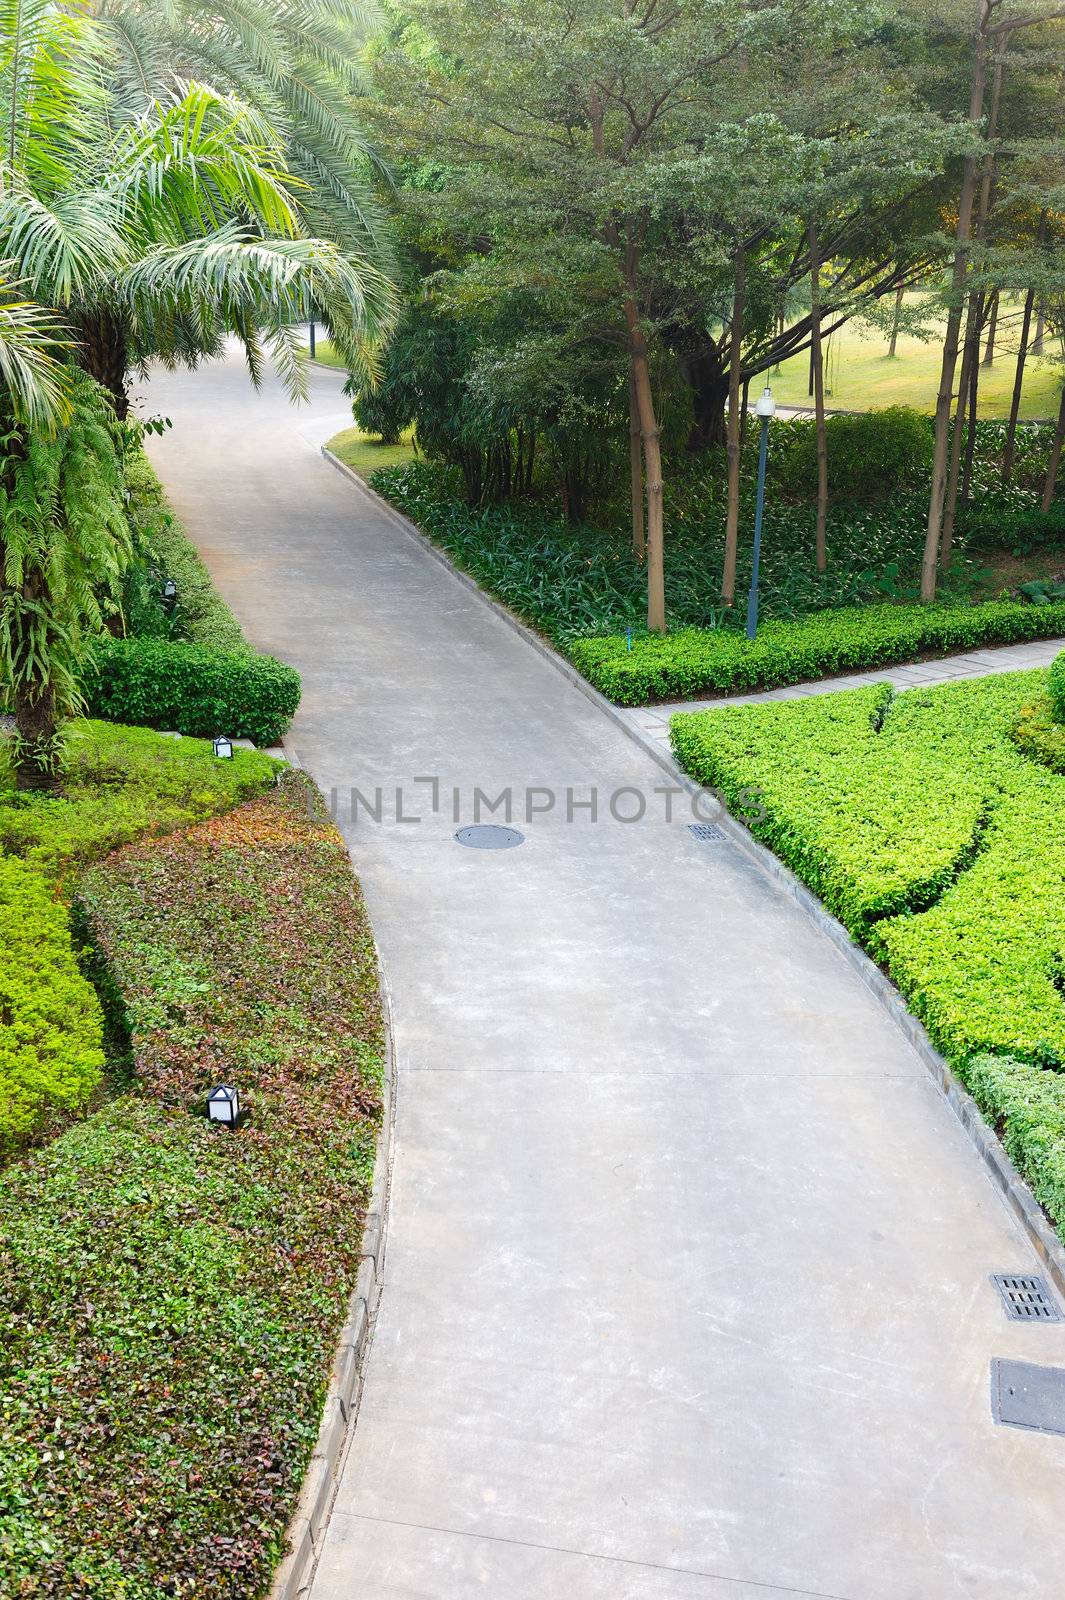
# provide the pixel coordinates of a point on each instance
(940, 843)
(170, 1292)
(366, 455)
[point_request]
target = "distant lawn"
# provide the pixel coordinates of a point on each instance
(365, 455)
(859, 375)
(327, 356)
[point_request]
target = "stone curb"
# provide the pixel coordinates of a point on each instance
(1015, 1191)
(306, 1529)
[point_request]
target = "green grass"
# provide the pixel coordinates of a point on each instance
(366, 456)
(860, 376)
(326, 355)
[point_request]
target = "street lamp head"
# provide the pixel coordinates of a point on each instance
(765, 405)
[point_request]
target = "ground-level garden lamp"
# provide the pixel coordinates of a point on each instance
(223, 748)
(765, 407)
(169, 592)
(223, 1105)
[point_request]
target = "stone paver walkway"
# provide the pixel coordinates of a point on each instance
(654, 720)
(687, 1280)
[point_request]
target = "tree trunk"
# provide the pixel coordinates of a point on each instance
(732, 521)
(105, 357)
(893, 341)
(1040, 329)
(817, 363)
(639, 534)
(1055, 457)
(1010, 448)
(970, 432)
(35, 725)
(992, 328)
(652, 455)
(708, 382)
(930, 563)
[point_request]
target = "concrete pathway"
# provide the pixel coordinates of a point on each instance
(687, 1287)
(654, 720)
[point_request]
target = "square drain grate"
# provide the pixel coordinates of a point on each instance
(1026, 1396)
(1026, 1297)
(709, 832)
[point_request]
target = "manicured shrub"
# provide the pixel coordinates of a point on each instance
(1027, 1106)
(164, 550)
(1056, 687)
(871, 455)
(922, 826)
(171, 1293)
(51, 1055)
(192, 689)
(696, 661)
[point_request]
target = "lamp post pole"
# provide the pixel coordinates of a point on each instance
(764, 408)
(312, 330)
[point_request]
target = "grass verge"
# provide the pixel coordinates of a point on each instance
(171, 1293)
(366, 455)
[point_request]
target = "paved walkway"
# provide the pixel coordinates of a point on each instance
(687, 1289)
(654, 720)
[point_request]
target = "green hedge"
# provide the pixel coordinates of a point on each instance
(191, 689)
(1027, 1106)
(871, 454)
(925, 830)
(1056, 687)
(1037, 735)
(200, 616)
(708, 661)
(171, 1293)
(51, 1056)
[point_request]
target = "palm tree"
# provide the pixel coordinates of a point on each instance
(154, 231)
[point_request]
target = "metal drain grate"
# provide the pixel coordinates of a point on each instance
(709, 832)
(1026, 1396)
(489, 836)
(1026, 1297)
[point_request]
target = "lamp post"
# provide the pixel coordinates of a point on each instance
(311, 329)
(764, 408)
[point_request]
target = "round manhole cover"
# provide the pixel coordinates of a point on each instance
(489, 836)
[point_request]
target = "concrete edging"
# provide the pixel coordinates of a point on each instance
(1014, 1189)
(307, 1525)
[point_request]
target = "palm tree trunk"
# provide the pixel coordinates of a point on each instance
(35, 725)
(104, 354)
(732, 520)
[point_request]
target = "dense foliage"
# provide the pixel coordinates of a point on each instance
(721, 661)
(874, 454)
(170, 1293)
(1056, 687)
(191, 688)
(928, 833)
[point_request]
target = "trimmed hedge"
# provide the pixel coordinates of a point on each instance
(170, 1292)
(200, 615)
(926, 831)
(872, 454)
(698, 661)
(1037, 735)
(1056, 687)
(191, 688)
(1027, 1107)
(51, 1055)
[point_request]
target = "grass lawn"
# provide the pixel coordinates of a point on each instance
(933, 825)
(859, 375)
(327, 356)
(366, 455)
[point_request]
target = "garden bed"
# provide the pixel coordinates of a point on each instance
(171, 1292)
(939, 842)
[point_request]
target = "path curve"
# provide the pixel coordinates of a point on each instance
(687, 1286)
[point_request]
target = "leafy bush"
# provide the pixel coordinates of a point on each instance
(1037, 735)
(151, 1264)
(164, 550)
(191, 688)
(120, 784)
(1028, 1108)
(871, 455)
(1020, 528)
(921, 825)
(1056, 687)
(51, 1058)
(721, 661)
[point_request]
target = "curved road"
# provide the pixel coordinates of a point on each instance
(687, 1286)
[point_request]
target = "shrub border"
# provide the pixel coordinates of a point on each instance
(306, 1529)
(1015, 1191)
